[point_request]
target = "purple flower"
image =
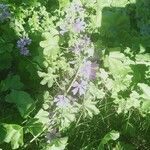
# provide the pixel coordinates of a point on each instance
(61, 101)
(4, 12)
(77, 48)
(79, 87)
(79, 25)
(23, 42)
(80, 44)
(88, 70)
(24, 51)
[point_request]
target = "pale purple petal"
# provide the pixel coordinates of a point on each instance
(88, 70)
(24, 51)
(79, 25)
(61, 101)
(79, 87)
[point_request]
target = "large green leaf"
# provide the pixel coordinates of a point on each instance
(11, 82)
(11, 133)
(34, 127)
(23, 101)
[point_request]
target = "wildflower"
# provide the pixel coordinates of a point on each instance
(80, 44)
(24, 51)
(22, 43)
(79, 87)
(4, 12)
(88, 70)
(61, 101)
(79, 25)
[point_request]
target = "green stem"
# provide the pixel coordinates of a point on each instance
(74, 79)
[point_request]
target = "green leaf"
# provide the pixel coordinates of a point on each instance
(48, 78)
(42, 116)
(58, 144)
(63, 3)
(145, 97)
(96, 92)
(12, 133)
(146, 91)
(119, 66)
(50, 44)
(113, 135)
(124, 105)
(5, 61)
(23, 101)
(34, 126)
(11, 82)
(143, 59)
(90, 108)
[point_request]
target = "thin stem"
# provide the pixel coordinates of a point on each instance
(26, 145)
(74, 79)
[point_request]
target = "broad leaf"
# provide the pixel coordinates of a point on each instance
(89, 107)
(23, 101)
(11, 82)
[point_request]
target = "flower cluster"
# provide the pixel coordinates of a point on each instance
(22, 45)
(83, 44)
(4, 12)
(88, 70)
(73, 20)
(80, 45)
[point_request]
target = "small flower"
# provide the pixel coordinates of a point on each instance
(79, 25)
(24, 51)
(79, 87)
(88, 70)
(23, 42)
(61, 101)
(4, 12)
